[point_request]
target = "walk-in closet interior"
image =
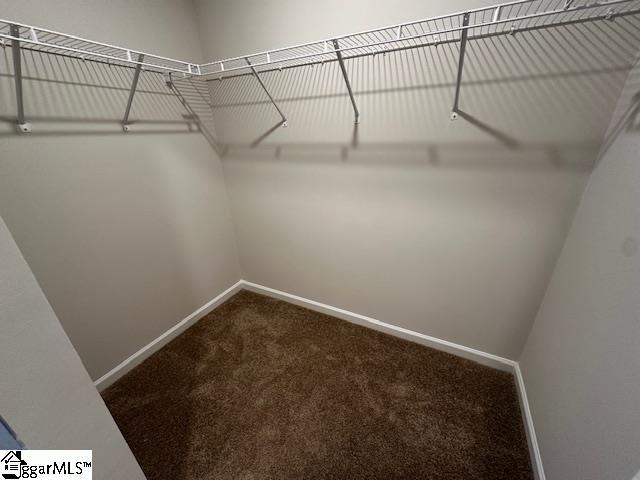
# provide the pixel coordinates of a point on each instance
(320, 240)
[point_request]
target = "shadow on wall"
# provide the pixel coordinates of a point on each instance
(488, 196)
(115, 228)
(547, 94)
(626, 120)
(449, 228)
(68, 96)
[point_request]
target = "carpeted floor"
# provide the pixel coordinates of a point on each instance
(261, 389)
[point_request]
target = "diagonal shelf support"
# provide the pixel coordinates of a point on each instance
(126, 126)
(336, 45)
(264, 87)
(23, 126)
(463, 45)
(463, 27)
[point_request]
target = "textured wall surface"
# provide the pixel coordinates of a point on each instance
(45, 393)
(581, 363)
(126, 233)
(448, 228)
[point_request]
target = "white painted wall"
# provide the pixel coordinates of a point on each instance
(45, 393)
(248, 26)
(127, 234)
(580, 363)
(440, 227)
(448, 229)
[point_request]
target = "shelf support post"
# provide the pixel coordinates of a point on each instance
(356, 112)
(264, 87)
(23, 126)
(463, 45)
(126, 126)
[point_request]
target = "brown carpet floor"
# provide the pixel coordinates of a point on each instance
(262, 389)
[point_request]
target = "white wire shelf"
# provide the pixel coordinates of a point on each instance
(52, 42)
(503, 19)
(506, 18)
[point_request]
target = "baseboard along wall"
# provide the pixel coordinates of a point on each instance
(145, 352)
(479, 356)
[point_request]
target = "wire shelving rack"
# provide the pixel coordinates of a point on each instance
(503, 19)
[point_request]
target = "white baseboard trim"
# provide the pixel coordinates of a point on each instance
(532, 439)
(479, 356)
(437, 343)
(145, 352)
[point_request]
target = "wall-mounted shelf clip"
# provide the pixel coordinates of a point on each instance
(22, 124)
(463, 46)
(266, 90)
(477, 24)
(336, 46)
(126, 126)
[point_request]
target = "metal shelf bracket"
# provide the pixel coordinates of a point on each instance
(264, 87)
(126, 126)
(509, 18)
(336, 46)
(463, 45)
(22, 124)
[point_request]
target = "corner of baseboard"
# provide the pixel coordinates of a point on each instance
(532, 439)
(470, 353)
(145, 352)
(478, 356)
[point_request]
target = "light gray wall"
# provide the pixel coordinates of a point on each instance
(230, 29)
(45, 393)
(127, 234)
(581, 365)
(447, 228)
